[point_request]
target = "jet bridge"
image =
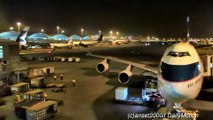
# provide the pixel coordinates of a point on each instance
(208, 65)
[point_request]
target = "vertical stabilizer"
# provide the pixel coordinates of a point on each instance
(22, 37)
(70, 42)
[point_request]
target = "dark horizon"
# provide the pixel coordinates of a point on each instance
(160, 18)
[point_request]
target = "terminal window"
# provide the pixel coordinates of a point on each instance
(1, 52)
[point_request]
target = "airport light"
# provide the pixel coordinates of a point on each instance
(19, 25)
(58, 28)
(42, 30)
(153, 37)
(82, 32)
(111, 32)
(11, 28)
(117, 33)
(148, 38)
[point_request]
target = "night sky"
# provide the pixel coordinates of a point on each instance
(161, 18)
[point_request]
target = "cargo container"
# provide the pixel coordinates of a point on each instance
(35, 72)
(37, 94)
(36, 82)
(36, 110)
(42, 110)
(77, 59)
(57, 58)
(20, 87)
(149, 96)
(48, 70)
(63, 59)
(121, 93)
(70, 59)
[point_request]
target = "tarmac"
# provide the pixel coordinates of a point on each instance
(93, 97)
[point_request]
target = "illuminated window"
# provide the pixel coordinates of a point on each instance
(1, 52)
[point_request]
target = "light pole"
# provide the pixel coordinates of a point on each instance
(117, 33)
(111, 32)
(148, 37)
(153, 37)
(82, 32)
(18, 24)
(62, 31)
(57, 29)
(99, 32)
(42, 30)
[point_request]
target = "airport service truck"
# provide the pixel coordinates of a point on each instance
(149, 95)
(36, 82)
(35, 106)
(36, 72)
(36, 110)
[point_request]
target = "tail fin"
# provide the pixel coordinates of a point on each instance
(70, 42)
(100, 38)
(22, 37)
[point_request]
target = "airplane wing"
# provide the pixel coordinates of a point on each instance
(138, 65)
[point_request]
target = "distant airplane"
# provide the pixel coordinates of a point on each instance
(85, 43)
(120, 41)
(100, 38)
(69, 44)
(22, 38)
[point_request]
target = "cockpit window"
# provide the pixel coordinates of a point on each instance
(182, 54)
(174, 54)
(177, 73)
(178, 54)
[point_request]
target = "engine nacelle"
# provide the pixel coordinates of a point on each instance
(4, 62)
(124, 76)
(102, 66)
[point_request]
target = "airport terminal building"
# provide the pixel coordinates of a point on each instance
(8, 49)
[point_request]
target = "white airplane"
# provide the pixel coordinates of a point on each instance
(69, 44)
(84, 42)
(23, 42)
(117, 41)
(179, 74)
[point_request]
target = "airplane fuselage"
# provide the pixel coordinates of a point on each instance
(180, 73)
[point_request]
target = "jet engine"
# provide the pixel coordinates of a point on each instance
(4, 62)
(124, 76)
(102, 66)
